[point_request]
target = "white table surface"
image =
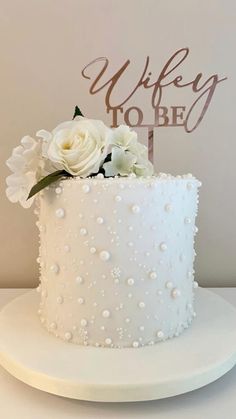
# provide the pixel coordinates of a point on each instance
(215, 401)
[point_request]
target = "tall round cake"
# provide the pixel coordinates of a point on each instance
(116, 258)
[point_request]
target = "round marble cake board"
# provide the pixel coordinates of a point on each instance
(202, 354)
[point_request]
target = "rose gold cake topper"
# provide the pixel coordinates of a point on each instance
(189, 117)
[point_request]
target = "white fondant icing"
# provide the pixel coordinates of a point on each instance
(150, 250)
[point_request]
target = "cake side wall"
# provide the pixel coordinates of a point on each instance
(116, 259)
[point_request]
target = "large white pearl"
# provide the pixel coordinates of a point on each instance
(130, 281)
(60, 213)
(68, 336)
(54, 268)
(106, 313)
(108, 341)
(86, 188)
(104, 255)
(135, 209)
(163, 246)
(160, 334)
(175, 293)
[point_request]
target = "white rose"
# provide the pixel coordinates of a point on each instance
(27, 166)
(78, 146)
(128, 155)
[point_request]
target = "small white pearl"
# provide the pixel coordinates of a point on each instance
(175, 293)
(53, 326)
(195, 284)
(68, 336)
(141, 328)
(189, 186)
(79, 280)
(153, 275)
(163, 247)
(135, 209)
(108, 341)
(86, 188)
(159, 292)
(135, 344)
(130, 295)
(58, 190)
(54, 268)
(106, 314)
(189, 274)
(169, 284)
(127, 320)
(141, 304)
(118, 198)
(100, 220)
(187, 220)
(67, 248)
(104, 255)
(130, 281)
(83, 322)
(83, 232)
(60, 213)
(168, 208)
(93, 250)
(59, 299)
(160, 334)
(80, 300)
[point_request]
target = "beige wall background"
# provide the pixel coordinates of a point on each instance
(44, 45)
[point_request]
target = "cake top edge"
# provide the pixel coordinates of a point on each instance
(159, 177)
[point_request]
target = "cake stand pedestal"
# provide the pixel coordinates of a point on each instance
(202, 354)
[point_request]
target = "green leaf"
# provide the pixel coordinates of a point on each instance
(77, 112)
(47, 180)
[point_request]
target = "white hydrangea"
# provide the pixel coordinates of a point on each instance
(27, 165)
(127, 155)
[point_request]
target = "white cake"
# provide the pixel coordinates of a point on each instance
(116, 259)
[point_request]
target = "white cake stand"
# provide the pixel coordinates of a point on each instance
(203, 353)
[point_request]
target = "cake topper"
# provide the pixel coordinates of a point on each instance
(171, 76)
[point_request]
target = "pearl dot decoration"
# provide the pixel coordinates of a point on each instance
(130, 281)
(187, 220)
(160, 334)
(118, 284)
(153, 275)
(60, 299)
(168, 208)
(163, 246)
(83, 322)
(175, 293)
(86, 188)
(135, 209)
(169, 285)
(68, 336)
(195, 284)
(106, 314)
(54, 268)
(104, 255)
(80, 300)
(79, 280)
(58, 190)
(60, 213)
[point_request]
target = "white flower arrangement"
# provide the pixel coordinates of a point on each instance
(82, 147)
